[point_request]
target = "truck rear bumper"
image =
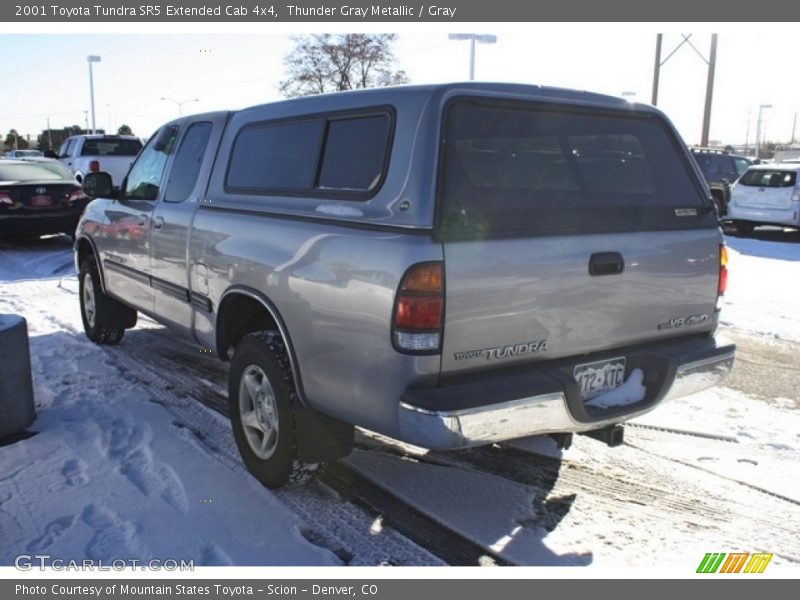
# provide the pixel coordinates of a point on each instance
(545, 401)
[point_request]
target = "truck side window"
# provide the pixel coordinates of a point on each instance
(343, 154)
(276, 156)
(188, 159)
(354, 154)
(144, 179)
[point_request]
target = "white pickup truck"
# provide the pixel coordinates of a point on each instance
(113, 154)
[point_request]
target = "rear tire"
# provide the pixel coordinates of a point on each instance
(261, 394)
(744, 228)
(104, 319)
(719, 201)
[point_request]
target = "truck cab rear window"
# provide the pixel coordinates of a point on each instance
(520, 170)
(110, 147)
(318, 155)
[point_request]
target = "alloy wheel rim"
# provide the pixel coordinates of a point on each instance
(258, 411)
(89, 308)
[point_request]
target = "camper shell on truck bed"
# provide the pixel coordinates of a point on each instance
(448, 265)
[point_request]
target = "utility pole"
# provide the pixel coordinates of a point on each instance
(761, 108)
(794, 127)
(49, 135)
(92, 59)
(657, 68)
(473, 38)
(712, 63)
(747, 132)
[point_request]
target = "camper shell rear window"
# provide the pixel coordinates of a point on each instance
(519, 169)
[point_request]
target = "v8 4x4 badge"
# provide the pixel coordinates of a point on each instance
(683, 322)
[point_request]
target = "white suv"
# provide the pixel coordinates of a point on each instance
(766, 195)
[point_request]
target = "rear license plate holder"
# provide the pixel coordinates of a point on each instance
(599, 377)
(41, 200)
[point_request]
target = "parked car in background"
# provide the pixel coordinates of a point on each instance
(720, 170)
(766, 195)
(24, 154)
(113, 154)
(38, 197)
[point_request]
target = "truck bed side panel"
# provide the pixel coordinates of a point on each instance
(334, 288)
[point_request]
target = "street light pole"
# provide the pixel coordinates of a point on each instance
(92, 59)
(473, 38)
(761, 107)
(181, 103)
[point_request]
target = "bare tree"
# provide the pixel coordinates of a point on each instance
(322, 63)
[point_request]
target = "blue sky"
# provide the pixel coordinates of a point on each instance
(47, 75)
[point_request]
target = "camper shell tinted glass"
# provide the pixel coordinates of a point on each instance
(342, 155)
(518, 169)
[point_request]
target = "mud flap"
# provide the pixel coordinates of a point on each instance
(321, 438)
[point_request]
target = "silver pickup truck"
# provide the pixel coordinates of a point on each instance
(448, 265)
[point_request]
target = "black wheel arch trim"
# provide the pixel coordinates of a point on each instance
(282, 330)
(97, 260)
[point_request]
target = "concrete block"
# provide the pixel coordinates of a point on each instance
(17, 410)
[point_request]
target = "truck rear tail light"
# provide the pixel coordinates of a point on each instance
(723, 274)
(94, 166)
(796, 194)
(419, 309)
(5, 198)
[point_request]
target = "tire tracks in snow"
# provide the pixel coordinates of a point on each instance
(331, 523)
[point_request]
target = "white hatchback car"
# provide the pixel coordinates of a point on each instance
(766, 195)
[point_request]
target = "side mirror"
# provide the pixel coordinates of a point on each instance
(98, 185)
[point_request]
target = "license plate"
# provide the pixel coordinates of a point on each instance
(599, 377)
(41, 200)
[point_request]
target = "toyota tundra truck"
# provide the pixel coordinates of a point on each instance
(447, 265)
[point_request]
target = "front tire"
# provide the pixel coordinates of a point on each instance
(104, 319)
(261, 394)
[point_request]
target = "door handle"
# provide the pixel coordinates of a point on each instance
(606, 263)
(158, 222)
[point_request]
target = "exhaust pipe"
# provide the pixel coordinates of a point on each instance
(612, 436)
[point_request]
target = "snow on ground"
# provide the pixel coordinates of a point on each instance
(762, 294)
(125, 468)
(109, 473)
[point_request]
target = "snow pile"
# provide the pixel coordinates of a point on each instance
(762, 287)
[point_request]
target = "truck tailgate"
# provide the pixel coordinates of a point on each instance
(535, 299)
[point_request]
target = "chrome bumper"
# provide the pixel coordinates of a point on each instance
(541, 414)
